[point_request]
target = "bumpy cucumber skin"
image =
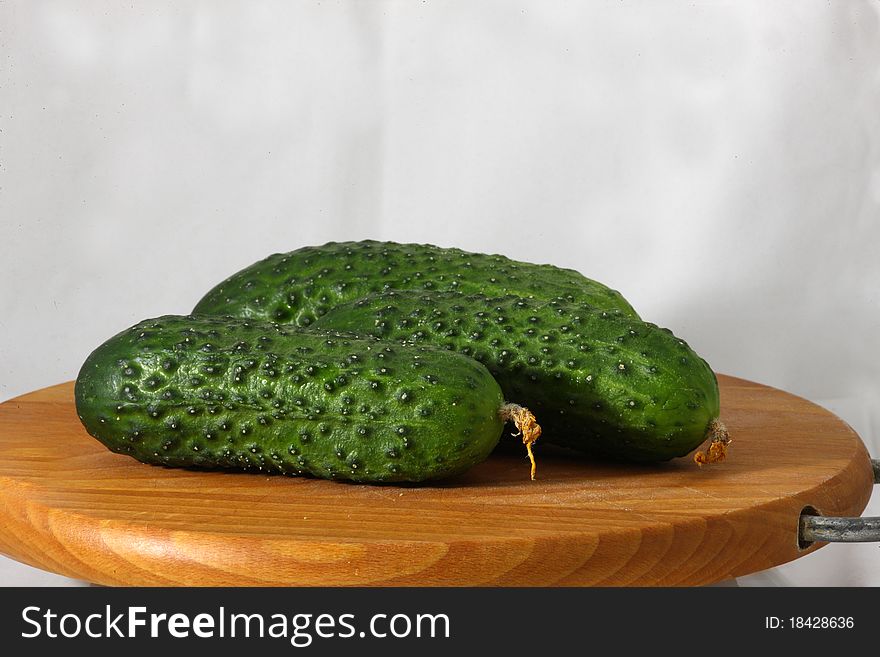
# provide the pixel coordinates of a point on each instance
(231, 393)
(302, 285)
(597, 381)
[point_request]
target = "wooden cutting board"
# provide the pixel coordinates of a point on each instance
(70, 506)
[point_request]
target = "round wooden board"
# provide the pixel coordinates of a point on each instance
(70, 506)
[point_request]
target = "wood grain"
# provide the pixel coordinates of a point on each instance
(70, 506)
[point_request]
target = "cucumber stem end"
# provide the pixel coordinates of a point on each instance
(527, 427)
(717, 450)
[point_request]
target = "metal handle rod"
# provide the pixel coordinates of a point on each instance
(841, 530)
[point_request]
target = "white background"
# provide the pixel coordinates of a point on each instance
(717, 162)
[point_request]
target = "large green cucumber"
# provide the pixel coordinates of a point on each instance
(299, 286)
(232, 393)
(597, 381)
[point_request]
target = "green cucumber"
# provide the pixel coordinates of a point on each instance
(302, 285)
(255, 396)
(598, 381)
